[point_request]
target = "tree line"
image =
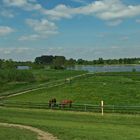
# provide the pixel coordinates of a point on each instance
(55, 62)
(10, 73)
(109, 61)
(61, 61)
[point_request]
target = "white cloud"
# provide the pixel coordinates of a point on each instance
(43, 29)
(5, 30)
(29, 37)
(18, 3)
(21, 53)
(6, 13)
(80, 1)
(8, 51)
(124, 38)
(114, 23)
(60, 11)
(138, 20)
(110, 10)
(25, 4)
(42, 26)
(105, 10)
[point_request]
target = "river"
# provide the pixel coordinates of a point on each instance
(107, 68)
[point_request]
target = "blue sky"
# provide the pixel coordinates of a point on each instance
(86, 29)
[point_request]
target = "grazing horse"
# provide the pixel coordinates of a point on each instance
(66, 102)
(52, 103)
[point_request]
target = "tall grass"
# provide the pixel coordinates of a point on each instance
(13, 75)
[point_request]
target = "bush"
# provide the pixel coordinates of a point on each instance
(13, 75)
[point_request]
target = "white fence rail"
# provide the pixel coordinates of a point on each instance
(75, 107)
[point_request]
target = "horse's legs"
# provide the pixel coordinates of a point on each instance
(63, 105)
(60, 106)
(70, 105)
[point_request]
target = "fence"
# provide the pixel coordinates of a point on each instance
(75, 107)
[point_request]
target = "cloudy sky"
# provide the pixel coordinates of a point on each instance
(86, 29)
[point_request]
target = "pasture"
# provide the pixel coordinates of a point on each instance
(12, 133)
(114, 89)
(40, 76)
(76, 125)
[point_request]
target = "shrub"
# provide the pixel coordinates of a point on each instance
(13, 75)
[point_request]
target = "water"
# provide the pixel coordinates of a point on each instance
(107, 68)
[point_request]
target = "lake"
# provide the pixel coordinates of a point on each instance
(107, 68)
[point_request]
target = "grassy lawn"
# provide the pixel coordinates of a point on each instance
(51, 75)
(115, 90)
(91, 89)
(76, 126)
(41, 76)
(11, 133)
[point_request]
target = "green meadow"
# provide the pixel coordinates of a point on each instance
(12, 133)
(114, 89)
(76, 125)
(13, 81)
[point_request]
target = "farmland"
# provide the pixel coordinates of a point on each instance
(121, 89)
(113, 88)
(8, 86)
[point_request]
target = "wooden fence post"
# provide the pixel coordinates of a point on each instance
(85, 107)
(102, 107)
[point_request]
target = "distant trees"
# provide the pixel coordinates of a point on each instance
(56, 62)
(100, 61)
(116, 61)
(6, 64)
(59, 62)
(80, 61)
(70, 62)
(44, 59)
(10, 64)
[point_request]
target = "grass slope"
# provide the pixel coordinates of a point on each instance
(76, 126)
(41, 76)
(11, 133)
(117, 90)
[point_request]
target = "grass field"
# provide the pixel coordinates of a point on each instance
(113, 88)
(76, 126)
(91, 89)
(11, 133)
(41, 76)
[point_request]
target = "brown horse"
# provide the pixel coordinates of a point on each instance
(65, 103)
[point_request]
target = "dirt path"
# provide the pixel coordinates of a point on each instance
(42, 135)
(27, 91)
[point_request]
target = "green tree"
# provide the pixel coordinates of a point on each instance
(44, 59)
(100, 61)
(59, 62)
(8, 64)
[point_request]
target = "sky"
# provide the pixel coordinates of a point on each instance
(86, 29)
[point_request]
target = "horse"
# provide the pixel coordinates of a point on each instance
(66, 102)
(52, 103)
